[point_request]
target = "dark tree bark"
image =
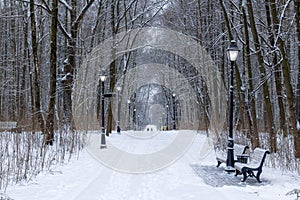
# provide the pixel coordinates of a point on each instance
(237, 78)
(69, 69)
(277, 73)
(297, 136)
(22, 109)
(265, 87)
(52, 92)
(112, 67)
(251, 109)
(286, 79)
(36, 76)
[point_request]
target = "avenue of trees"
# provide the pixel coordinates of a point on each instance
(44, 42)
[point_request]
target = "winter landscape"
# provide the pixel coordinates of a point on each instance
(141, 99)
(191, 176)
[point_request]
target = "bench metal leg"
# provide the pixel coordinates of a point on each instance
(258, 175)
(219, 163)
(237, 172)
(250, 172)
(244, 172)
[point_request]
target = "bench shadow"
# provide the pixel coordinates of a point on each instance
(218, 177)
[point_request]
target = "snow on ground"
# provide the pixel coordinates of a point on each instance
(87, 179)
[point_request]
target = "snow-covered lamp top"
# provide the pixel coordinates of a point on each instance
(103, 78)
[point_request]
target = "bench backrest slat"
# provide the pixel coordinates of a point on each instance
(7, 125)
(240, 149)
(258, 156)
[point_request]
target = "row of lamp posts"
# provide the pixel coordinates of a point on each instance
(232, 53)
(137, 116)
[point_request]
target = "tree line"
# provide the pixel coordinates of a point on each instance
(43, 43)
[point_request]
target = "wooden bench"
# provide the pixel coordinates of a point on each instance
(256, 161)
(238, 149)
(8, 126)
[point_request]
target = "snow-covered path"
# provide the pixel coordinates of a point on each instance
(88, 179)
(177, 181)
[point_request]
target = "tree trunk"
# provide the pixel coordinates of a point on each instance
(277, 73)
(266, 93)
(297, 10)
(112, 67)
(251, 110)
(36, 81)
(70, 66)
(23, 81)
(238, 79)
(297, 21)
(287, 80)
(49, 136)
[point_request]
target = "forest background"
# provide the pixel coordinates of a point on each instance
(44, 42)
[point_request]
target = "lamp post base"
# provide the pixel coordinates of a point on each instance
(103, 141)
(229, 169)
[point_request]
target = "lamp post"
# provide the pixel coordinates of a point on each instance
(138, 122)
(134, 121)
(118, 107)
(103, 142)
(128, 102)
(167, 119)
(163, 121)
(232, 53)
(174, 114)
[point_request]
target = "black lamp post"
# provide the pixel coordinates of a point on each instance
(232, 53)
(138, 122)
(103, 142)
(134, 119)
(118, 111)
(174, 114)
(167, 119)
(128, 102)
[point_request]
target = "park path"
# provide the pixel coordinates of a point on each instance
(176, 181)
(193, 175)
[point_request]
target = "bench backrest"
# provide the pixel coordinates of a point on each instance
(258, 156)
(7, 125)
(240, 149)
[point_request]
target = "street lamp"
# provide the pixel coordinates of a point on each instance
(134, 119)
(167, 120)
(128, 102)
(232, 53)
(118, 107)
(103, 142)
(174, 114)
(138, 122)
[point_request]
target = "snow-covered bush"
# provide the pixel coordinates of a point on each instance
(24, 155)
